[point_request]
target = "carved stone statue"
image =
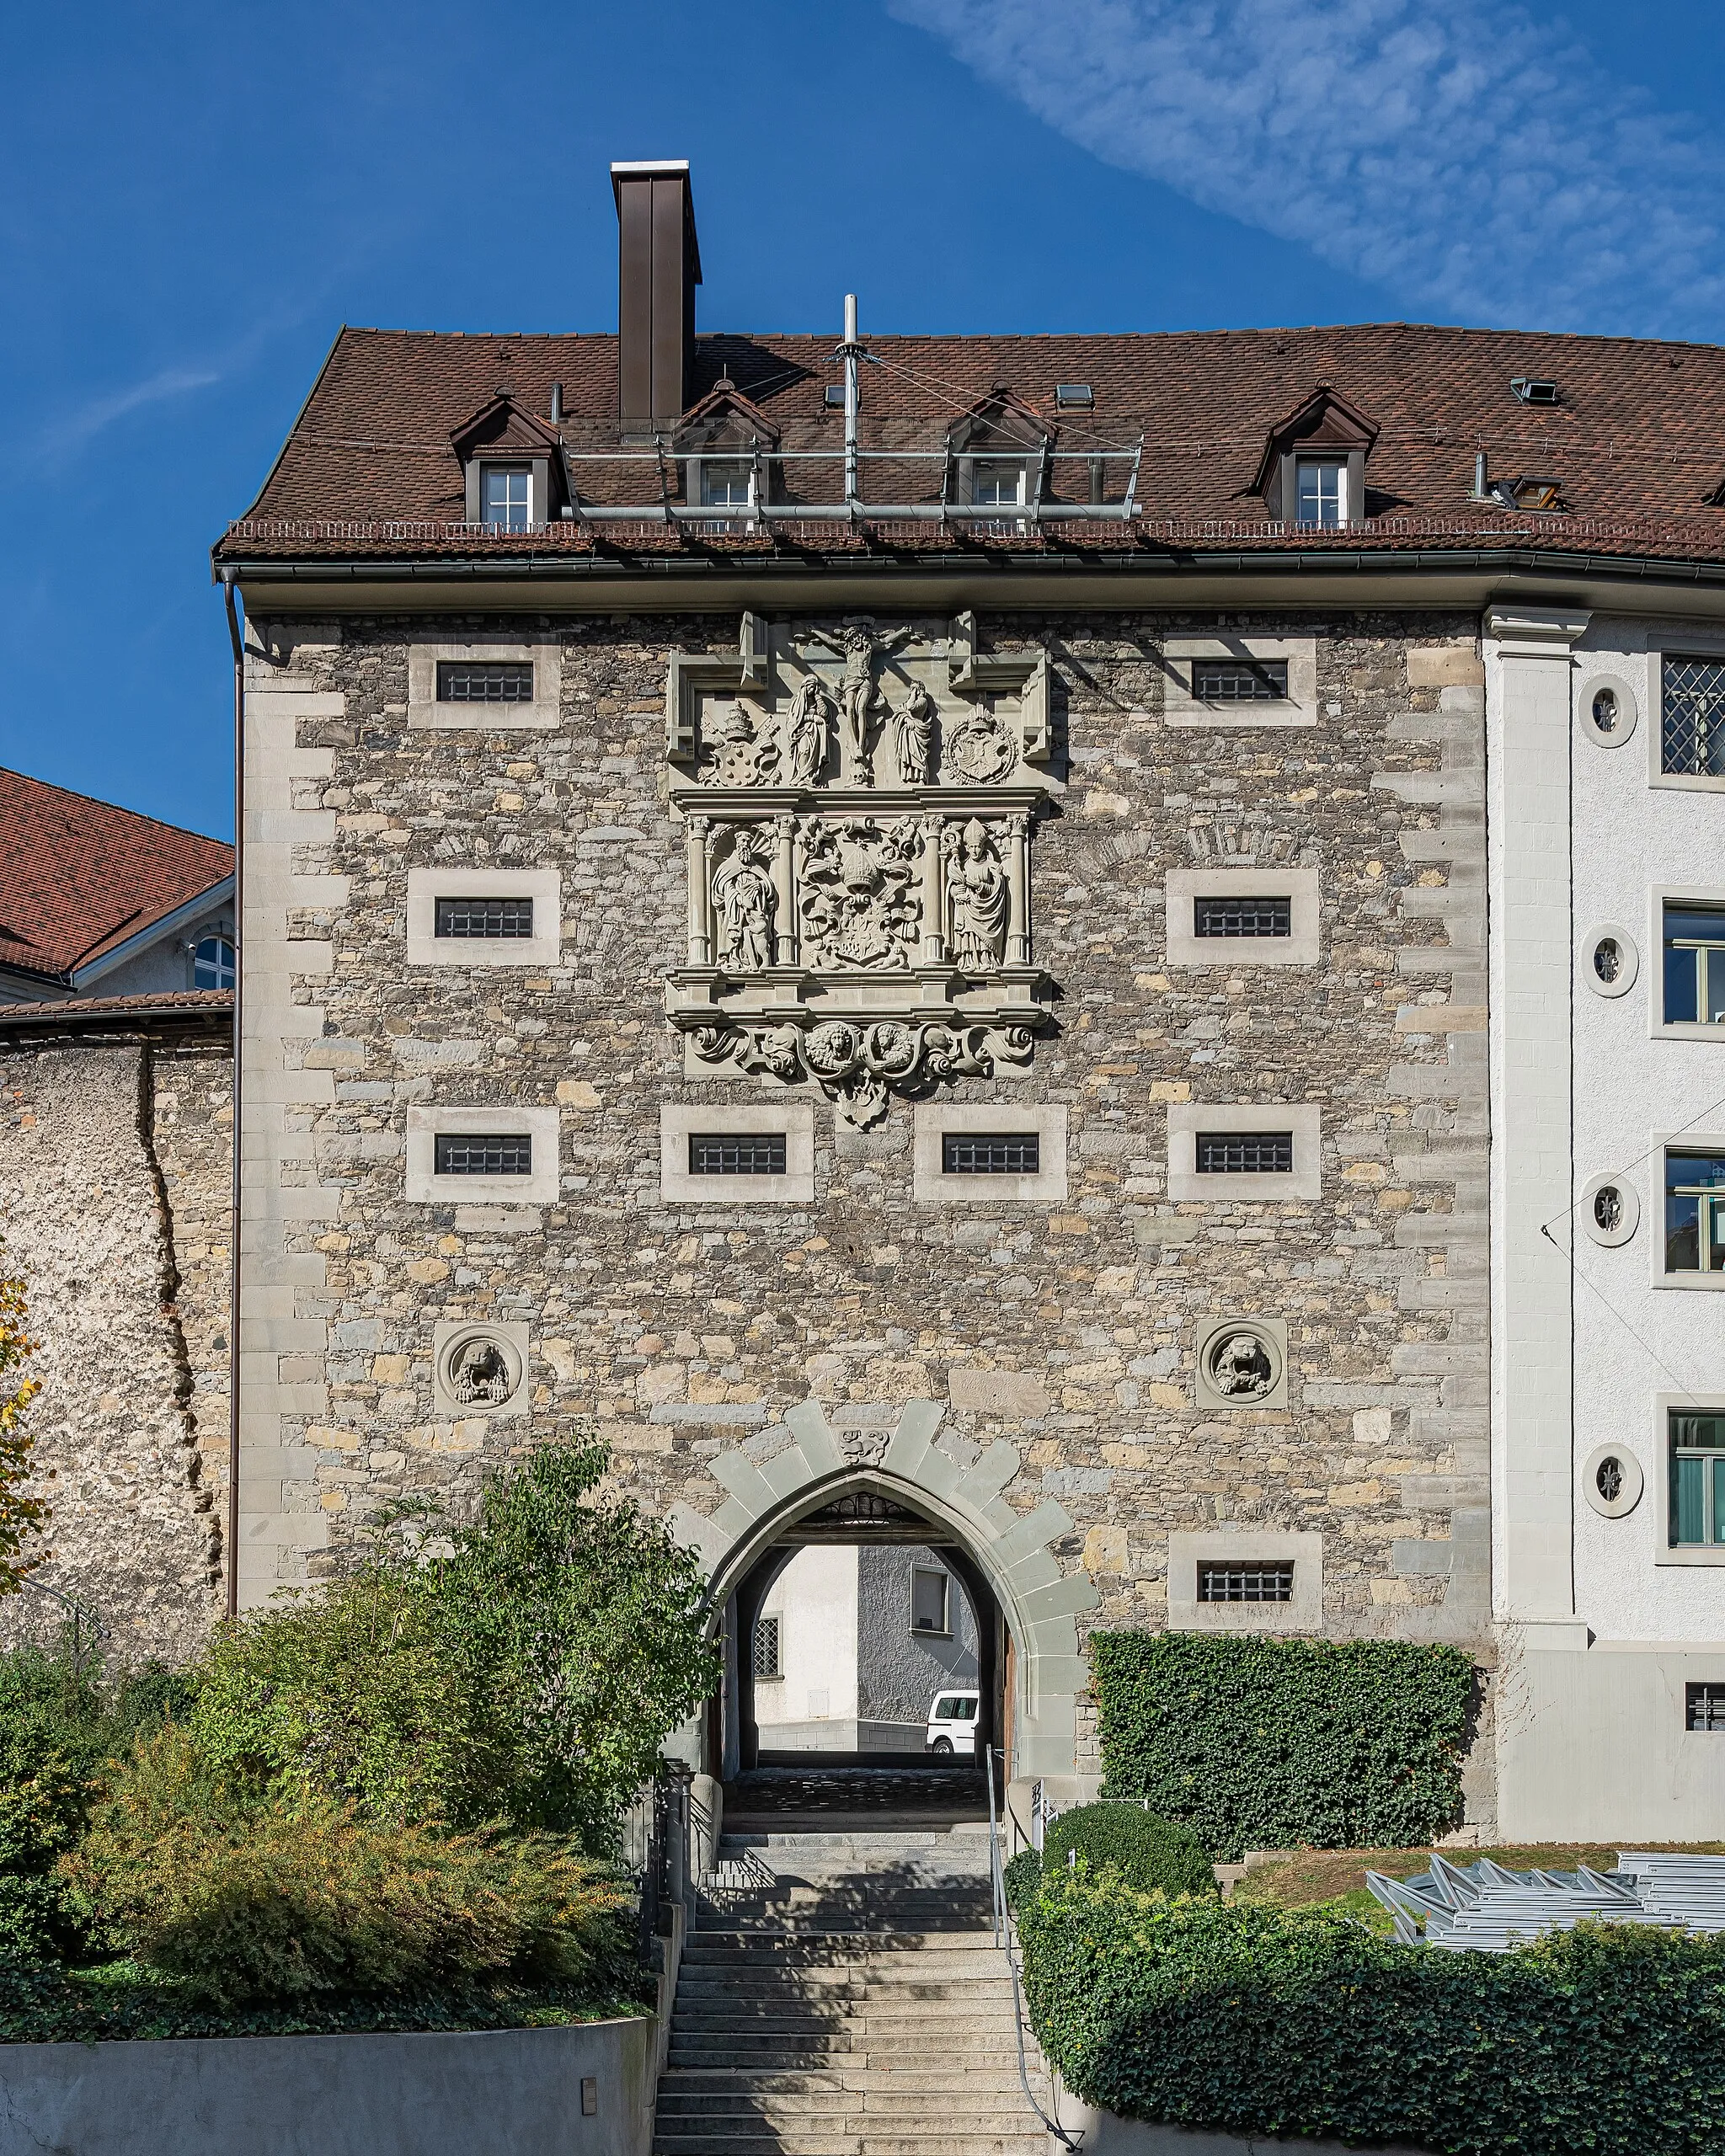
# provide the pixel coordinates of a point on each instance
(979, 747)
(1241, 1369)
(913, 736)
(979, 895)
(744, 898)
(805, 736)
(860, 701)
(480, 1375)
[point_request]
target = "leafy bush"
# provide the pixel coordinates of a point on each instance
(1270, 1744)
(1153, 1854)
(1022, 1878)
(250, 1902)
(1252, 2020)
(21, 1515)
(62, 1723)
(528, 1676)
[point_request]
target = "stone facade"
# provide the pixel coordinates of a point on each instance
(683, 1331)
(115, 1196)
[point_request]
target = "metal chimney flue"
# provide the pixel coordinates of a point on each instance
(658, 266)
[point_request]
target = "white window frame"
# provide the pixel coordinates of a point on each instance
(932, 1121)
(680, 1120)
(216, 933)
(1677, 894)
(1319, 465)
(1303, 1612)
(708, 467)
(997, 468)
(544, 653)
(426, 947)
(933, 1572)
(1184, 886)
(1303, 1119)
(509, 468)
(1665, 1550)
(425, 1186)
(1703, 643)
(1181, 708)
(1664, 1143)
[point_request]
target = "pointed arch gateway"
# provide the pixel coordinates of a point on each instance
(1011, 1553)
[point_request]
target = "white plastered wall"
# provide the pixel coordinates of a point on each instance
(814, 1706)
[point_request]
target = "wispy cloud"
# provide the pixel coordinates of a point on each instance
(74, 429)
(1469, 160)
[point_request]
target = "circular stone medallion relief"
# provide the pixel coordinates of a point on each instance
(481, 1370)
(1241, 1363)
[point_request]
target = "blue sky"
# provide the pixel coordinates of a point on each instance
(193, 200)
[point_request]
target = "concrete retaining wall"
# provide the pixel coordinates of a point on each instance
(503, 2092)
(1108, 2135)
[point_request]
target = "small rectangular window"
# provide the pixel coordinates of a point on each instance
(1074, 396)
(1230, 916)
(732, 1153)
(505, 496)
(1697, 1479)
(486, 918)
(766, 1664)
(1240, 680)
(990, 1153)
(1704, 1706)
(928, 1601)
(488, 681)
(1695, 965)
(1322, 494)
(1694, 1211)
(490, 1153)
(1692, 719)
(1245, 1152)
(996, 483)
(725, 486)
(1271, 1581)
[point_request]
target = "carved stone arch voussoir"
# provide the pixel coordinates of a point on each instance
(1040, 1601)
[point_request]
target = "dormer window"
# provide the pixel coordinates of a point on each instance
(506, 496)
(727, 483)
(996, 483)
(1322, 493)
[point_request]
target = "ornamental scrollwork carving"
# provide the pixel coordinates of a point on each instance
(857, 880)
(859, 1067)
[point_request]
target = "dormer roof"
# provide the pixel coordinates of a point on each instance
(725, 417)
(1324, 420)
(504, 427)
(1000, 420)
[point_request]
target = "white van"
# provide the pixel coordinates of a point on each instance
(951, 1723)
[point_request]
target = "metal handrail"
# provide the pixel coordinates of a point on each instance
(78, 1612)
(1003, 1938)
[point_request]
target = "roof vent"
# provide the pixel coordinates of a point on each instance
(1074, 396)
(1530, 392)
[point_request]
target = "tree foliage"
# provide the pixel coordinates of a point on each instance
(21, 1515)
(1150, 1853)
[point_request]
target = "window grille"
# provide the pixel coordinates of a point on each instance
(1696, 1479)
(213, 963)
(1240, 680)
(1242, 917)
(500, 1153)
(929, 1593)
(1246, 1152)
(1271, 1582)
(728, 1153)
(506, 497)
(990, 1153)
(1704, 1706)
(1695, 965)
(766, 1664)
(1692, 719)
(1694, 1211)
(488, 681)
(1322, 495)
(485, 917)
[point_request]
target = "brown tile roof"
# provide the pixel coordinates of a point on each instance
(78, 877)
(1636, 443)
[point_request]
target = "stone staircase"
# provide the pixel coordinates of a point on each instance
(842, 1995)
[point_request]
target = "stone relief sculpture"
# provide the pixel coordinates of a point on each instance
(978, 896)
(744, 900)
(479, 1370)
(1240, 1366)
(857, 802)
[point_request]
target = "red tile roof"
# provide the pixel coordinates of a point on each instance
(78, 876)
(1637, 442)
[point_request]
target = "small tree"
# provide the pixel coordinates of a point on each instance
(21, 1515)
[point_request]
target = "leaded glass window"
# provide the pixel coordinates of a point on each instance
(1692, 737)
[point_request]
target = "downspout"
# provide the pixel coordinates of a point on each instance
(228, 580)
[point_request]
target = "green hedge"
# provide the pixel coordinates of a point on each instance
(1252, 2020)
(1149, 1853)
(1278, 1743)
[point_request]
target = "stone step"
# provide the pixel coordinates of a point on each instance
(1005, 2100)
(918, 2083)
(879, 2139)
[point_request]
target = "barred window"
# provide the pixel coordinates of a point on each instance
(484, 917)
(1267, 1581)
(1240, 680)
(1692, 740)
(996, 1153)
(1704, 1706)
(1246, 1152)
(766, 1663)
(1227, 916)
(498, 1153)
(730, 1153)
(485, 682)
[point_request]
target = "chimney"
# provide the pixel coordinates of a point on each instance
(658, 266)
